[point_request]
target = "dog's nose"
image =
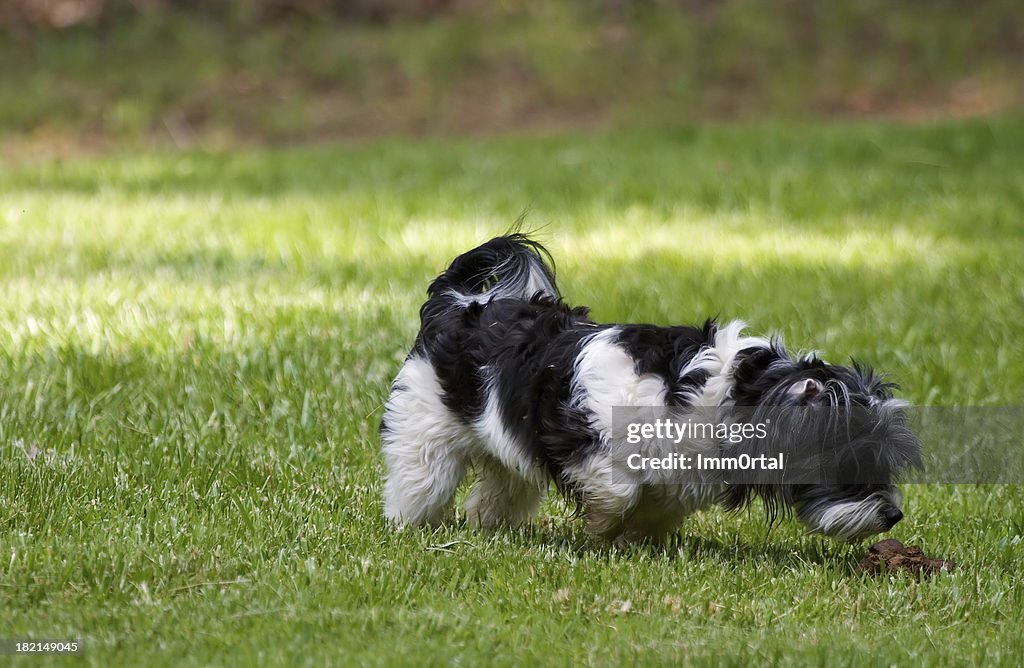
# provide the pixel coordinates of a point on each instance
(893, 515)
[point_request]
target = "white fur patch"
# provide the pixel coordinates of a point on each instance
(425, 447)
(605, 376)
(705, 361)
(728, 343)
(850, 519)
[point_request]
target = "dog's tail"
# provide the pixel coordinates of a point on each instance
(509, 267)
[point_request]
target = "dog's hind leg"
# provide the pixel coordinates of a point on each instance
(425, 448)
(501, 497)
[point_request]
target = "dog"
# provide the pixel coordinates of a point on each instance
(506, 379)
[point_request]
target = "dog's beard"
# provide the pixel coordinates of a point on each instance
(847, 518)
(842, 512)
(850, 519)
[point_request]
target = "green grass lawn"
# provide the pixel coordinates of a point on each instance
(194, 350)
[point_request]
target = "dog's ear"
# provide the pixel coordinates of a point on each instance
(805, 389)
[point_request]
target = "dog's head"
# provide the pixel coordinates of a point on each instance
(845, 436)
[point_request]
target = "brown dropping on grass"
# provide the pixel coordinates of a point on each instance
(890, 556)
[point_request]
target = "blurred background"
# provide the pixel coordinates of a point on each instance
(85, 75)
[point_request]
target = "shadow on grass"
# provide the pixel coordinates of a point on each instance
(565, 534)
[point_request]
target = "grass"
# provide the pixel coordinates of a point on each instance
(175, 78)
(194, 349)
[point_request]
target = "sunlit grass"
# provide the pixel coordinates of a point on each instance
(194, 350)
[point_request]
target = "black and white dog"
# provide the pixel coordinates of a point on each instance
(507, 379)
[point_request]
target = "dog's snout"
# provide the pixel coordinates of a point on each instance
(893, 515)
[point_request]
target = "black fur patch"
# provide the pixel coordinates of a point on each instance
(665, 352)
